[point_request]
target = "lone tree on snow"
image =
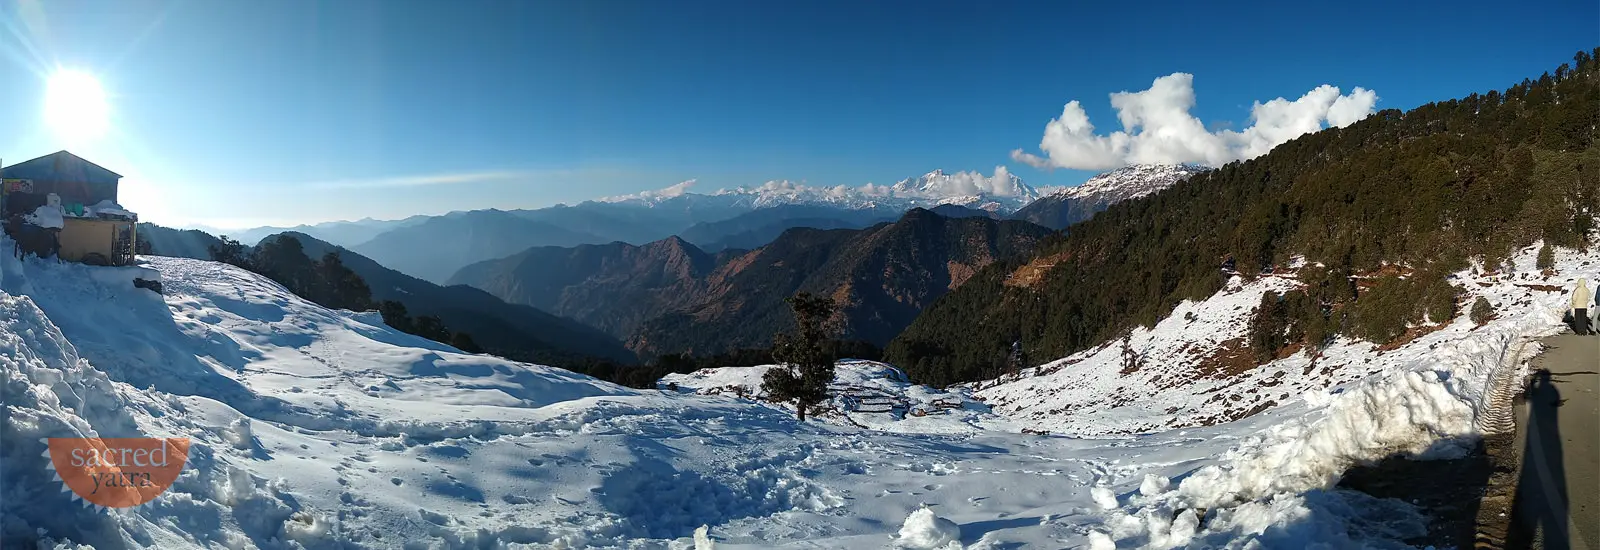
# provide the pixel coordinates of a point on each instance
(805, 367)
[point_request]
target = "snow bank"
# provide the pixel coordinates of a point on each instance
(1428, 400)
(49, 391)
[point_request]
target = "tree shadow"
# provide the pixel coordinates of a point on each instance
(1540, 508)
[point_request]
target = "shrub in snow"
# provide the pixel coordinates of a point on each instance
(925, 530)
(1547, 258)
(1481, 311)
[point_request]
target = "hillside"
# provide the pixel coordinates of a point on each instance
(515, 331)
(1468, 179)
(755, 229)
(181, 243)
(1196, 368)
(613, 287)
(881, 277)
(435, 249)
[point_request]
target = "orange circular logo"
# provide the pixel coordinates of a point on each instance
(117, 472)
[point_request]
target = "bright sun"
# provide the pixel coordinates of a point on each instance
(75, 106)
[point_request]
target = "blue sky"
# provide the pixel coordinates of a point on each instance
(235, 114)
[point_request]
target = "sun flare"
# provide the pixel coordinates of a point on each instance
(75, 106)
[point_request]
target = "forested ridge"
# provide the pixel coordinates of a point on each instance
(1432, 189)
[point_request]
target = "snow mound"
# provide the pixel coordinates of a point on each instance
(923, 530)
(50, 391)
(47, 216)
(702, 538)
(866, 394)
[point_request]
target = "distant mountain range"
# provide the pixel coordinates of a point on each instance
(673, 271)
(435, 247)
(343, 233)
(670, 296)
(1002, 192)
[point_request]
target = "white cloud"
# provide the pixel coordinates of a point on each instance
(1157, 128)
(1001, 184)
(425, 180)
(670, 191)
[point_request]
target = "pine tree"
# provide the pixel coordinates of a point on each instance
(229, 251)
(805, 368)
(463, 341)
(1268, 326)
(1547, 257)
(338, 286)
(395, 315)
(142, 246)
(284, 260)
(432, 328)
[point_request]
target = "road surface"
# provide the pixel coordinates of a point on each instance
(1557, 494)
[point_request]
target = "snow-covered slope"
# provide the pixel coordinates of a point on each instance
(322, 429)
(1132, 181)
(1001, 192)
(1066, 206)
(1194, 367)
(314, 428)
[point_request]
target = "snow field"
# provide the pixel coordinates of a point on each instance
(314, 428)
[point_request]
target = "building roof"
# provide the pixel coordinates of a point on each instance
(53, 157)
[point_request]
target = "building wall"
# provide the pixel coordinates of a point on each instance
(77, 181)
(80, 237)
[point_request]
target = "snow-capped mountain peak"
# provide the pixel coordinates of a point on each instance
(1131, 181)
(1002, 191)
